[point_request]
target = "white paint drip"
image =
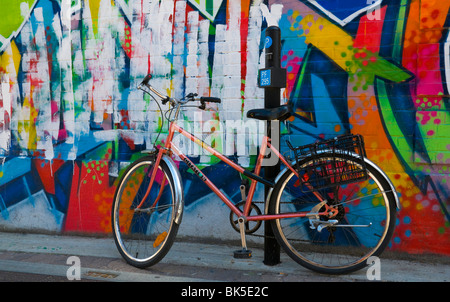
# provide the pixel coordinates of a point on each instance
(158, 37)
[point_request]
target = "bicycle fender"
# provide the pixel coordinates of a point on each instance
(269, 192)
(178, 187)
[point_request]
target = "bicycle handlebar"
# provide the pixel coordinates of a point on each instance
(165, 98)
(146, 79)
(210, 99)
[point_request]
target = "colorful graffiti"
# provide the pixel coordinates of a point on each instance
(71, 118)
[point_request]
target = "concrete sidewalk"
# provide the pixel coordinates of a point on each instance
(186, 262)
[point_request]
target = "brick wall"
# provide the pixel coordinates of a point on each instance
(71, 118)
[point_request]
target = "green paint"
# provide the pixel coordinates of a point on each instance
(11, 17)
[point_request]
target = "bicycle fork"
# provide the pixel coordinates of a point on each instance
(152, 175)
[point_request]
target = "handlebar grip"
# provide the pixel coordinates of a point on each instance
(210, 99)
(146, 79)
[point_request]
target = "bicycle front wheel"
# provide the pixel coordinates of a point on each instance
(143, 219)
(363, 226)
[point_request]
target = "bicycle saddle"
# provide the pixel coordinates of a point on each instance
(267, 114)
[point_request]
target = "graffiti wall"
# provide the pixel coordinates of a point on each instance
(71, 118)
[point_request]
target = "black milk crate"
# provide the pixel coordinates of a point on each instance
(327, 172)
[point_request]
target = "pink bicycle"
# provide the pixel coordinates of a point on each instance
(330, 207)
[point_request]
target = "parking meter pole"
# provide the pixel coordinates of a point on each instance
(272, 82)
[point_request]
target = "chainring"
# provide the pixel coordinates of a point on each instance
(250, 226)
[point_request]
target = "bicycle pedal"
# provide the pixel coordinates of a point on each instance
(243, 254)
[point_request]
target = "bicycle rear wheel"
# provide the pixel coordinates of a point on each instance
(143, 221)
(363, 226)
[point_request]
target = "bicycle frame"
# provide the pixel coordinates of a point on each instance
(170, 146)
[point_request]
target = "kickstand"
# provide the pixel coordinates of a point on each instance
(244, 253)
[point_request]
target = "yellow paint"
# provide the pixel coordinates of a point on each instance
(12, 57)
(29, 126)
(329, 38)
(337, 44)
(16, 56)
(94, 6)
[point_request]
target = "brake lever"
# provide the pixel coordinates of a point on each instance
(191, 95)
(164, 101)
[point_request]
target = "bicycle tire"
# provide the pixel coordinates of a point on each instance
(143, 237)
(340, 249)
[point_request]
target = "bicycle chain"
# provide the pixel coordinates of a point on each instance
(273, 237)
